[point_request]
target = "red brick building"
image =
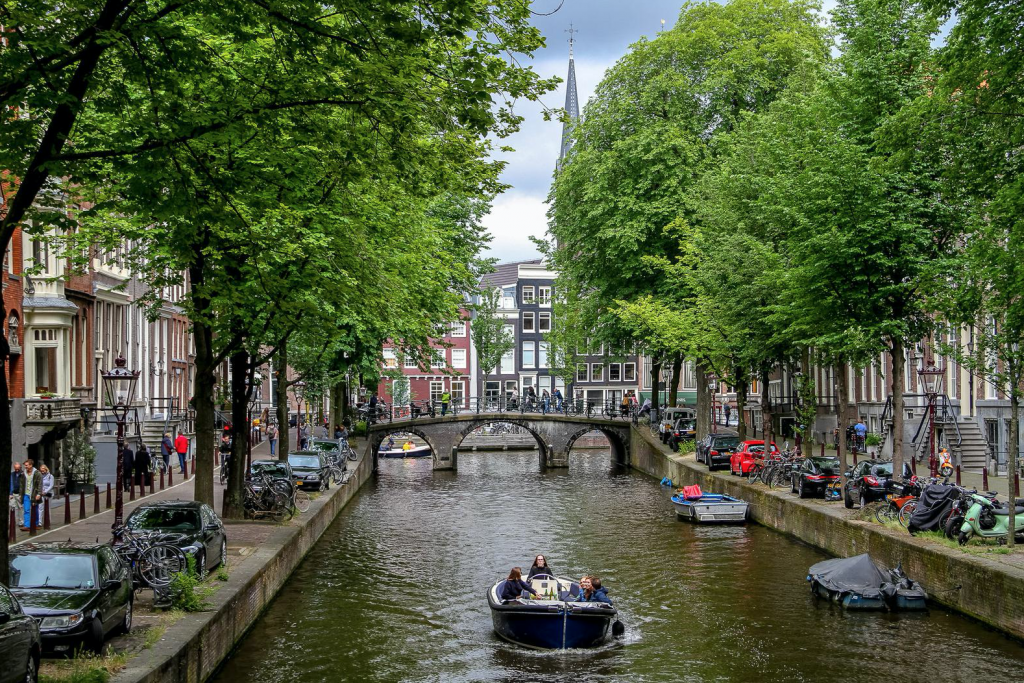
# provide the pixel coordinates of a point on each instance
(450, 370)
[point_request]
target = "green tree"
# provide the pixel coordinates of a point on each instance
(490, 339)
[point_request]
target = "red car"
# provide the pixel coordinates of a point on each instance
(742, 461)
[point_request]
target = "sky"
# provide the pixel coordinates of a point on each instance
(606, 30)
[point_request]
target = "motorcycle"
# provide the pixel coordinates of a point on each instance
(946, 468)
(987, 520)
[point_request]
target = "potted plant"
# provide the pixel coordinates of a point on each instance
(79, 461)
(872, 441)
(47, 395)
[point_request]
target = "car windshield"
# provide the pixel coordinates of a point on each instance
(303, 461)
(273, 468)
(164, 519)
(826, 465)
(53, 571)
(882, 469)
(726, 443)
(686, 424)
(325, 446)
(756, 448)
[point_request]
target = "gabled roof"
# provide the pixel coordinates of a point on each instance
(505, 273)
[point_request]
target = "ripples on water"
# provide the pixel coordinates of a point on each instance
(395, 590)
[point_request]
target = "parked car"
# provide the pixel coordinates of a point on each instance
(332, 449)
(815, 474)
(310, 470)
(685, 429)
(669, 417)
(192, 526)
(742, 461)
(714, 450)
(869, 481)
(80, 593)
(20, 643)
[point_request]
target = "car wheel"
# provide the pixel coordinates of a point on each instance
(31, 669)
(792, 485)
(863, 500)
(126, 623)
(201, 565)
(224, 552)
(847, 498)
(802, 492)
(95, 638)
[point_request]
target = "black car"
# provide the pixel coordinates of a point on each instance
(20, 643)
(812, 477)
(332, 449)
(685, 429)
(715, 450)
(79, 592)
(310, 470)
(194, 527)
(870, 481)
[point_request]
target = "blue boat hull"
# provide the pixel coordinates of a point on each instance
(551, 625)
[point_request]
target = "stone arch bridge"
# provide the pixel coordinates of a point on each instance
(555, 434)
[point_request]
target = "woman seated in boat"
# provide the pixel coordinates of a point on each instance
(591, 591)
(408, 446)
(514, 586)
(540, 566)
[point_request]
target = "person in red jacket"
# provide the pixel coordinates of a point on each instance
(181, 446)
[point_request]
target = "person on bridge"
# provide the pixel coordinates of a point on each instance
(514, 586)
(545, 401)
(446, 398)
(558, 400)
(540, 566)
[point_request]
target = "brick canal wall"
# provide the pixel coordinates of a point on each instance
(191, 649)
(985, 588)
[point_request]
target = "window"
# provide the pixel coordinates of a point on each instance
(597, 372)
(542, 354)
(390, 361)
(615, 372)
(458, 358)
(544, 385)
(40, 253)
(510, 388)
(437, 358)
(459, 392)
(436, 389)
(544, 296)
(458, 329)
(508, 361)
(629, 372)
(543, 322)
(491, 390)
(528, 297)
(508, 297)
(410, 362)
(46, 368)
(529, 355)
(581, 372)
(528, 319)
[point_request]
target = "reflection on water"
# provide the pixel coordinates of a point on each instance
(395, 590)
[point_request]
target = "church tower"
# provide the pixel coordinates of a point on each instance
(572, 103)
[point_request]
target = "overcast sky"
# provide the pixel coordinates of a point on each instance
(606, 30)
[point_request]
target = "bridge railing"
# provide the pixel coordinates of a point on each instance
(510, 406)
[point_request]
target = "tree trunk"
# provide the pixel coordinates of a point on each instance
(1012, 452)
(337, 391)
(240, 426)
(809, 410)
(204, 383)
(896, 389)
(282, 401)
(6, 447)
(741, 408)
(655, 376)
(703, 401)
(842, 408)
(673, 390)
(766, 409)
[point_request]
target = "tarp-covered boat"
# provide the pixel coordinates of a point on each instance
(553, 623)
(692, 503)
(857, 583)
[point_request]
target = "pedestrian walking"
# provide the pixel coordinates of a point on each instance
(558, 400)
(272, 438)
(127, 467)
(166, 448)
(30, 490)
(728, 413)
(142, 463)
(15, 501)
(303, 436)
(181, 448)
(446, 398)
(47, 481)
(860, 430)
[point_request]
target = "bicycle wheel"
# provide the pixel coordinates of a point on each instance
(886, 513)
(301, 501)
(159, 562)
(283, 504)
(906, 511)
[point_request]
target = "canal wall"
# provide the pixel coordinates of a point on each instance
(192, 649)
(989, 589)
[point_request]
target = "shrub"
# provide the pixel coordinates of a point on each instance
(872, 440)
(359, 429)
(187, 591)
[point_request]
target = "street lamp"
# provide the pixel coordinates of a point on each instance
(254, 401)
(931, 377)
(712, 388)
(119, 388)
(300, 393)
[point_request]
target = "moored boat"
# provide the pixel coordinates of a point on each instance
(857, 583)
(417, 451)
(554, 622)
(710, 507)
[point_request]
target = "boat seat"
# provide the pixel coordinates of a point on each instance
(544, 586)
(572, 593)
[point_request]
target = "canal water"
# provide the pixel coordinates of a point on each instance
(395, 590)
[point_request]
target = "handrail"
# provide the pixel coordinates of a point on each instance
(499, 405)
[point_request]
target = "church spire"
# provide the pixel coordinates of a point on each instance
(572, 104)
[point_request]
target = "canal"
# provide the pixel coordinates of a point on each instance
(395, 590)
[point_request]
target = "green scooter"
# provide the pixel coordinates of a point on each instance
(987, 520)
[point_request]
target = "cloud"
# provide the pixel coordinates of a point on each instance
(514, 218)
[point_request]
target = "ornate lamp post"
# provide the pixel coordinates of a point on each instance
(300, 393)
(931, 377)
(254, 401)
(712, 389)
(119, 389)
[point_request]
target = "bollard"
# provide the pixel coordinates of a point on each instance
(81, 504)
(12, 530)
(170, 476)
(216, 459)
(46, 514)
(191, 468)
(95, 499)
(161, 480)
(913, 466)
(131, 490)
(152, 490)
(67, 508)
(958, 474)
(142, 486)
(823, 449)
(855, 457)
(109, 504)
(984, 479)
(33, 518)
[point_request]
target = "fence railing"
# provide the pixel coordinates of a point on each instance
(498, 405)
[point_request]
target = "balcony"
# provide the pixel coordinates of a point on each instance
(52, 411)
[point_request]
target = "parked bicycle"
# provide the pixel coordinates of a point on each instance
(265, 499)
(152, 562)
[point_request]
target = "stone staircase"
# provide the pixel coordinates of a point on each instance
(973, 446)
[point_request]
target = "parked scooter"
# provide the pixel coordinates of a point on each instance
(987, 520)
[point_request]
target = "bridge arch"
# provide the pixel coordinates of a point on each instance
(379, 436)
(620, 451)
(542, 445)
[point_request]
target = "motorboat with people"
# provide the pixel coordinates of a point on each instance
(406, 449)
(857, 583)
(693, 504)
(552, 619)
